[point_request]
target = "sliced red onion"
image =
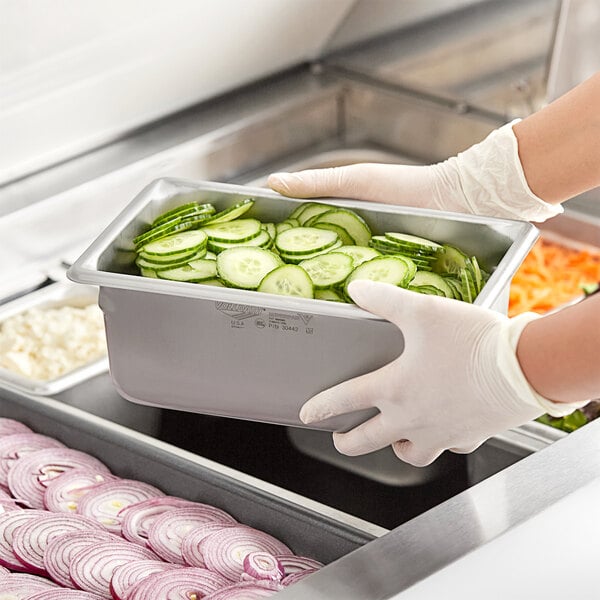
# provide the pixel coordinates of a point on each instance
(246, 590)
(224, 551)
(178, 584)
(190, 544)
(15, 446)
(64, 595)
(169, 529)
(4, 493)
(105, 502)
(10, 522)
(263, 566)
(64, 492)
(138, 518)
(31, 474)
(297, 576)
(10, 426)
(30, 540)
(127, 575)
(294, 564)
(7, 504)
(4, 571)
(92, 568)
(21, 586)
(61, 550)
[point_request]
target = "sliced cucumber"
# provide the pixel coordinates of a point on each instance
(388, 269)
(206, 269)
(328, 270)
(311, 209)
(330, 295)
(167, 259)
(174, 212)
(270, 229)
(288, 280)
(279, 227)
(214, 282)
(413, 241)
(177, 243)
(473, 266)
(245, 267)
(148, 273)
(185, 211)
(422, 266)
(169, 228)
(410, 265)
(356, 227)
(419, 261)
(422, 278)
(146, 263)
(383, 243)
(305, 240)
(450, 260)
(240, 230)
(294, 214)
(359, 254)
(455, 285)
(195, 221)
(430, 290)
(317, 243)
(467, 286)
(142, 263)
(262, 240)
(233, 212)
(298, 258)
(190, 273)
(342, 233)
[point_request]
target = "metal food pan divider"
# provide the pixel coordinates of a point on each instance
(308, 527)
(243, 354)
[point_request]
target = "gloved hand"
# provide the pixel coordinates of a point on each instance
(487, 179)
(457, 383)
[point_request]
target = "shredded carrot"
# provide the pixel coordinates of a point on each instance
(552, 275)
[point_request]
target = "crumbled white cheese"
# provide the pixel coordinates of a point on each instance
(45, 343)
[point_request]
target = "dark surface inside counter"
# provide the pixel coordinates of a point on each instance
(99, 397)
(265, 451)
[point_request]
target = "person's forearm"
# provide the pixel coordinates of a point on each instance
(559, 146)
(560, 353)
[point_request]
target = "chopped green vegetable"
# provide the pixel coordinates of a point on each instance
(590, 288)
(568, 423)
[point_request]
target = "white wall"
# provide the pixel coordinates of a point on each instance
(77, 73)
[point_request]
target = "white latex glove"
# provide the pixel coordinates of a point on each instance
(457, 383)
(487, 179)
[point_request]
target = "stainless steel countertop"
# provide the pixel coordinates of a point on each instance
(453, 535)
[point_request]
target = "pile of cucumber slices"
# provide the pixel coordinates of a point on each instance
(314, 253)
